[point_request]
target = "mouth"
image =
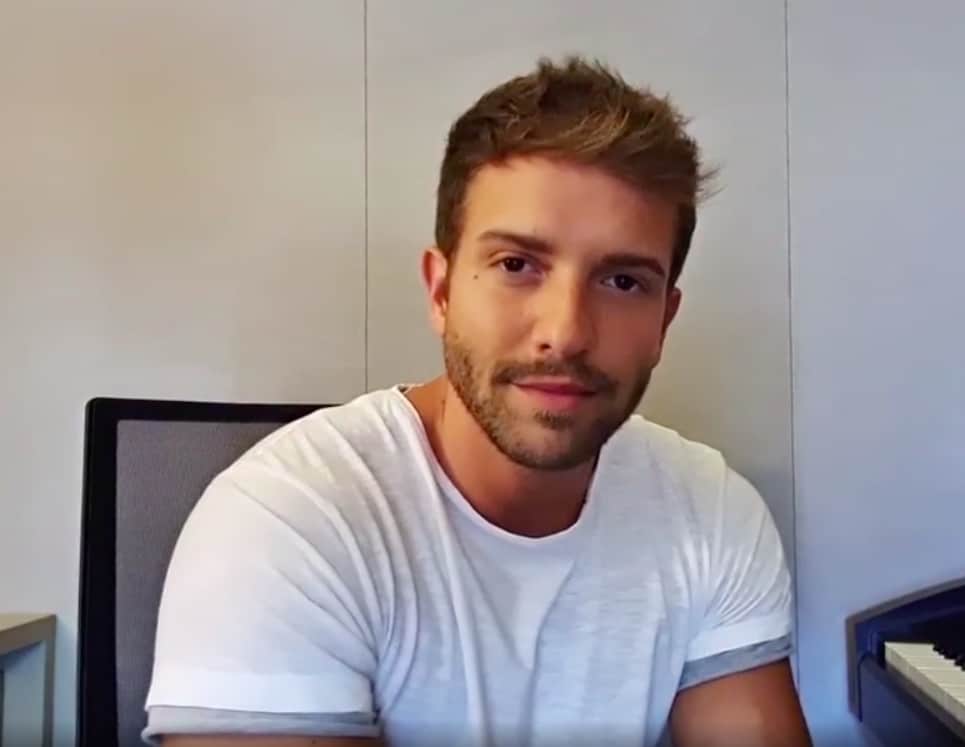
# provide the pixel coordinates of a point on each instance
(555, 394)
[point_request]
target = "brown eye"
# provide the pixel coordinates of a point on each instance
(514, 264)
(625, 282)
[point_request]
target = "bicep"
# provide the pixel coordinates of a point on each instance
(753, 708)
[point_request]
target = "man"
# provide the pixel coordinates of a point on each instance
(505, 555)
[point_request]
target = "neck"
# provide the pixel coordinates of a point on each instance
(521, 500)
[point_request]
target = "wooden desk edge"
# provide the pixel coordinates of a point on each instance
(20, 631)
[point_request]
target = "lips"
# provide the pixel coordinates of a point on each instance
(556, 386)
(555, 395)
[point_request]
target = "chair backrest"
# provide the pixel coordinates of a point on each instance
(146, 464)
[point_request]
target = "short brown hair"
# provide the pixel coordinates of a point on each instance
(580, 111)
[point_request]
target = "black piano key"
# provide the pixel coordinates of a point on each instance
(947, 637)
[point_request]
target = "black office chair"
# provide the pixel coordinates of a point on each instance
(146, 464)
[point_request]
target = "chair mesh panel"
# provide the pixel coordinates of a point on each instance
(162, 469)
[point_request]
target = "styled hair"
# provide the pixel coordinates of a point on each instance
(582, 112)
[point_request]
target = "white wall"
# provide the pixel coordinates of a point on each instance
(877, 156)
(181, 215)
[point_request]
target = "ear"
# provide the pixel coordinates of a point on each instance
(674, 297)
(435, 276)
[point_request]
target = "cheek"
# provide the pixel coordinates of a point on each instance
(626, 348)
(487, 322)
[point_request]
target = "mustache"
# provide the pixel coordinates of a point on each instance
(580, 371)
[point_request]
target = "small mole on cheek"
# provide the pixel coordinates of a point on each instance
(476, 276)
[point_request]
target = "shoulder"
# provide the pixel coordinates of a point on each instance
(309, 497)
(680, 465)
(717, 531)
(694, 479)
(334, 451)
(362, 426)
(325, 479)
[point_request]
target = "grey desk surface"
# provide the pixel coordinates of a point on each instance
(18, 631)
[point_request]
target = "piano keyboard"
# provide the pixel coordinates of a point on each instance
(935, 674)
(906, 667)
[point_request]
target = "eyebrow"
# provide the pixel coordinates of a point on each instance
(524, 241)
(537, 245)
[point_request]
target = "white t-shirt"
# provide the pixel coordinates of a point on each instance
(333, 581)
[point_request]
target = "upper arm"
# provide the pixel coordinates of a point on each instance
(744, 581)
(231, 741)
(266, 624)
(754, 708)
(736, 688)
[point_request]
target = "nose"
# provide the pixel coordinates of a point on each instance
(564, 326)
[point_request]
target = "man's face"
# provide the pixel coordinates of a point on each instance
(554, 307)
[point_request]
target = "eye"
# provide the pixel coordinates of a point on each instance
(625, 283)
(513, 265)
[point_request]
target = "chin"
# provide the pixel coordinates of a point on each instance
(548, 453)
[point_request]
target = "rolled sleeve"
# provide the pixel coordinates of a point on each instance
(748, 592)
(734, 661)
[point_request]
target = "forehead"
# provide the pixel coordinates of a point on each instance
(574, 206)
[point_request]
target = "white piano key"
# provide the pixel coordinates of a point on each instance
(937, 678)
(954, 702)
